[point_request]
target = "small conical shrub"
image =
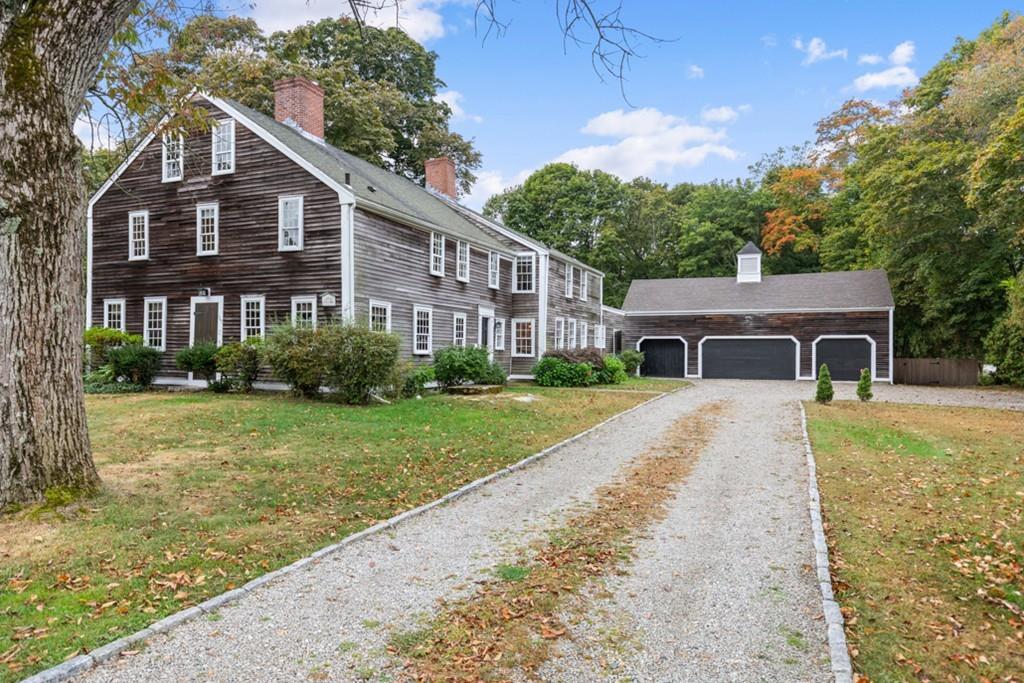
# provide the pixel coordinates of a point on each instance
(864, 385)
(825, 392)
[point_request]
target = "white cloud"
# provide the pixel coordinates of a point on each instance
(694, 71)
(650, 141)
(453, 99)
(421, 19)
(94, 134)
(895, 77)
(723, 114)
(903, 53)
(490, 183)
(769, 40)
(870, 59)
(817, 50)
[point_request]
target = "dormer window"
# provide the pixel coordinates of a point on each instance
(748, 264)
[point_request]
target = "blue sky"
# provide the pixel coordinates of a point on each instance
(735, 81)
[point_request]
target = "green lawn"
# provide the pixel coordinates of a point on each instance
(203, 492)
(924, 509)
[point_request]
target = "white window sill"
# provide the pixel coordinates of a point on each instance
(138, 258)
(207, 253)
(464, 280)
(171, 180)
(421, 353)
(299, 248)
(227, 172)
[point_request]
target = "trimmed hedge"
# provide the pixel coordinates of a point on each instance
(134, 364)
(632, 359)
(200, 359)
(239, 363)
(578, 368)
(457, 365)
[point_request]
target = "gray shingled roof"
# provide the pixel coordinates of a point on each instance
(389, 189)
(814, 291)
(749, 248)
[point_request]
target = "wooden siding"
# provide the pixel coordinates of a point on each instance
(560, 306)
(806, 327)
(614, 321)
(248, 262)
(392, 264)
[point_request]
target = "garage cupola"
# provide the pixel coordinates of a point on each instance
(748, 263)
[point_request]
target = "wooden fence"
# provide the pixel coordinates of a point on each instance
(947, 372)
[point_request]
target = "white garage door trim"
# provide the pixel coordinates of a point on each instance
(686, 351)
(700, 348)
(814, 352)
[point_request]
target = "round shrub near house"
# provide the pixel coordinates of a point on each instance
(360, 361)
(239, 362)
(555, 371)
(458, 365)
(298, 358)
(200, 360)
(632, 360)
(133, 364)
(99, 341)
(613, 372)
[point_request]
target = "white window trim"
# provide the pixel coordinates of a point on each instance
(568, 281)
(559, 333)
(459, 245)
(163, 159)
(570, 343)
(216, 229)
(416, 310)
(262, 300)
(456, 317)
(584, 285)
(494, 270)
(162, 300)
(533, 337)
(280, 223)
(131, 238)
(124, 313)
(499, 337)
(438, 272)
(600, 336)
(584, 333)
(386, 305)
(515, 274)
(213, 147)
(304, 299)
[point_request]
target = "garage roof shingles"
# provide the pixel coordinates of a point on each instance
(859, 289)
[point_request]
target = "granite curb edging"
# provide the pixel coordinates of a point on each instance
(84, 662)
(839, 654)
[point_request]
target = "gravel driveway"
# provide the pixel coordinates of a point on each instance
(722, 589)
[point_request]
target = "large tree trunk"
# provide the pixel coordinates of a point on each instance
(49, 55)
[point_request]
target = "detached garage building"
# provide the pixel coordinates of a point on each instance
(770, 327)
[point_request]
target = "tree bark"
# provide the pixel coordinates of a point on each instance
(50, 51)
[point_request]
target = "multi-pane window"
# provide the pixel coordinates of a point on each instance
(207, 229)
(572, 335)
(155, 330)
(524, 273)
(224, 147)
(252, 317)
(568, 281)
(583, 335)
(462, 261)
(559, 333)
(437, 254)
(584, 282)
(380, 316)
(173, 157)
(459, 329)
(422, 321)
(493, 270)
(113, 314)
(599, 336)
(499, 335)
(304, 311)
(522, 337)
(289, 223)
(138, 235)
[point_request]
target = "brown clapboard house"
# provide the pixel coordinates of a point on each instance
(215, 236)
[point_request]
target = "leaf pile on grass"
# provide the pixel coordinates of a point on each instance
(925, 512)
(511, 622)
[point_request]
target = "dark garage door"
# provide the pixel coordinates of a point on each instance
(663, 358)
(749, 359)
(844, 357)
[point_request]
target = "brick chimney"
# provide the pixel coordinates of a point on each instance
(299, 102)
(441, 175)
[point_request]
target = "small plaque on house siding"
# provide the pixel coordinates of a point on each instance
(328, 300)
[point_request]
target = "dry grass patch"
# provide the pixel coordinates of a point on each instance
(925, 518)
(203, 492)
(512, 621)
